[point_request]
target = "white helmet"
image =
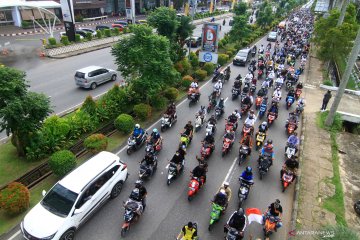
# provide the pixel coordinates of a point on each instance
(226, 184)
(219, 81)
(137, 125)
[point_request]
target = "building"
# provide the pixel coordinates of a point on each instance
(14, 12)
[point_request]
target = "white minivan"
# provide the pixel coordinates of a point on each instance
(72, 200)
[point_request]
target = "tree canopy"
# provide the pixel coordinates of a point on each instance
(240, 29)
(265, 16)
(12, 85)
(165, 21)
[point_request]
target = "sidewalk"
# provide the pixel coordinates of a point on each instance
(316, 163)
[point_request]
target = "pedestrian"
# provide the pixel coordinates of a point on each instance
(220, 27)
(326, 100)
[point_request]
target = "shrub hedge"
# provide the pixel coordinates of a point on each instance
(171, 93)
(222, 59)
(200, 74)
(77, 38)
(142, 111)
(52, 41)
(96, 143)
(62, 162)
(89, 36)
(124, 123)
(64, 40)
(15, 198)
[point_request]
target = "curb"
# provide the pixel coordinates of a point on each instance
(331, 88)
(57, 28)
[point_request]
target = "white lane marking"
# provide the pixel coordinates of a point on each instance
(167, 166)
(15, 235)
(230, 170)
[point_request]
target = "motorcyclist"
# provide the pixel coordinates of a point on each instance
(261, 92)
(293, 117)
(279, 81)
(277, 94)
(261, 49)
(154, 138)
(237, 84)
(293, 140)
(247, 141)
(201, 113)
(149, 160)
(275, 209)
(171, 111)
(221, 198)
(188, 232)
(247, 101)
(178, 160)
(239, 77)
(194, 84)
(221, 105)
(274, 109)
(188, 130)
(263, 127)
(268, 148)
(250, 120)
(218, 86)
(290, 164)
(139, 193)
(200, 172)
(138, 133)
(227, 190)
(230, 135)
(237, 220)
(249, 76)
(209, 139)
(233, 119)
(299, 85)
(247, 176)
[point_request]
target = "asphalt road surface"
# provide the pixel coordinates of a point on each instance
(167, 206)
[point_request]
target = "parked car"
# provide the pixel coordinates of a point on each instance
(119, 24)
(195, 41)
(92, 31)
(272, 37)
(242, 57)
(64, 34)
(92, 76)
(73, 199)
(101, 27)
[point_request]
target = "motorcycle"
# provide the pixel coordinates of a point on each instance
(185, 140)
(235, 93)
(289, 101)
(246, 130)
(243, 192)
(253, 89)
(264, 164)
(218, 113)
(271, 118)
(357, 207)
(150, 149)
(166, 123)
(298, 93)
(244, 93)
(216, 75)
(286, 179)
(210, 129)
(260, 74)
(216, 211)
(243, 153)
(244, 109)
(211, 106)
(206, 151)
(194, 98)
(227, 144)
(234, 234)
(260, 138)
(269, 226)
(172, 171)
(258, 101)
(199, 122)
(146, 171)
(230, 126)
(291, 128)
(194, 187)
(262, 110)
(290, 151)
(132, 146)
(131, 215)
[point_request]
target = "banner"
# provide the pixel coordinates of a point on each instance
(68, 18)
(186, 9)
(211, 6)
(210, 37)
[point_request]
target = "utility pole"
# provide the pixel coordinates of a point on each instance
(344, 6)
(344, 80)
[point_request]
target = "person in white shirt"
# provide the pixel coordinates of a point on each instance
(194, 84)
(249, 76)
(271, 75)
(277, 94)
(218, 86)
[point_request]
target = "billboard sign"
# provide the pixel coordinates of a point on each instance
(208, 57)
(67, 10)
(210, 37)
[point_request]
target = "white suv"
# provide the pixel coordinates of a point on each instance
(72, 200)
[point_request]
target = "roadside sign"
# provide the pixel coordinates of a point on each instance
(208, 57)
(210, 37)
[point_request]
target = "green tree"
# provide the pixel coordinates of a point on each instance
(165, 21)
(240, 29)
(265, 17)
(22, 116)
(145, 57)
(12, 85)
(240, 8)
(184, 30)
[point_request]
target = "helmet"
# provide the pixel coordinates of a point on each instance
(190, 225)
(135, 194)
(138, 183)
(137, 125)
(240, 212)
(219, 81)
(278, 89)
(269, 141)
(221, 99)
(234, 113)
(264, 124)
(252, 111)
(277, 203)
(155, 130)
(226, 184)
(248, 169)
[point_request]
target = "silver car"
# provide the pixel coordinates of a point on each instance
(92, 76)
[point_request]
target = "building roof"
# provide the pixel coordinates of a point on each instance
(33, 4)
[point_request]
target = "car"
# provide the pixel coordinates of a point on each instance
(242, 57)
(195, 41)
(102, 27)
(119, 24)
(73, 199)
(272, 37)
(92, 31)
(64, 34)
(92, 76)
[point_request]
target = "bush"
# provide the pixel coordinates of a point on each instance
(158, 102)
(89, 36)
(25, 24)
(124, 123)
(62, 162)
(115, 31)
(222, 59)
(77, 38)
(142, 111)
(171, 93)
(200, 74)
(229, 53)
(52, 41)
(111, 104)
(64, 40)
(96, 143)
(183, 66)
(194, 60)
(89, 106)
(99, 34)
(186, 81)
(81, 122)
(79, 18)
(209, 68)
(15, 198)
(107, 33)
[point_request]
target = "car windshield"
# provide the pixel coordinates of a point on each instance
(80, 75)
(59, 200)
(272, 34)
(241, 54)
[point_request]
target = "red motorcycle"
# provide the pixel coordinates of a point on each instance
(291, 128)
(229, 126)
(247, 130)
(298, 93)
(286, 179)
(227, 143)
(205, 151)
(244, 109)
(260, 74)
(271, 118)
(258, 102)
(194, 187)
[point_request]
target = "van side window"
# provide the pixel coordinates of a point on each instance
(109, 174)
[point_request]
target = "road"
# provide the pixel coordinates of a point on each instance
(167, 206)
